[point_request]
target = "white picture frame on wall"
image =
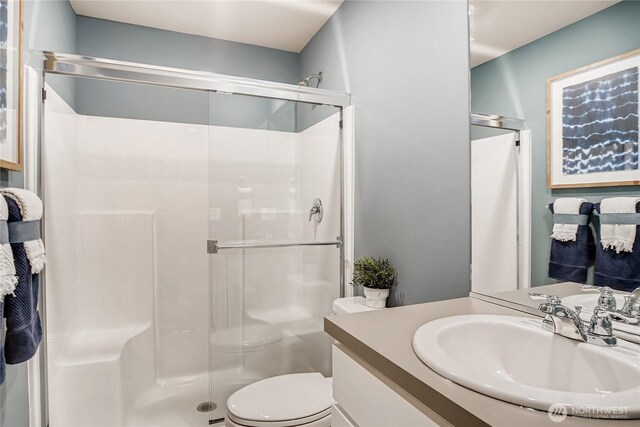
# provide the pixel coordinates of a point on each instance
(593, 125)
(11, 12)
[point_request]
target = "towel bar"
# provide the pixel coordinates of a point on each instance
(570, 219)
(620, 218)
(213, 246)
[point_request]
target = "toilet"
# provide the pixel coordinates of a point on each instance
(292, 399)
(285, 400)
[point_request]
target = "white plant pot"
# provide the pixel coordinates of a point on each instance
(376, 298)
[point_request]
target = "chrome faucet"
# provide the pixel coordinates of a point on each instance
(565, 321)
(631, 305)
(630, 311)
(606, 295)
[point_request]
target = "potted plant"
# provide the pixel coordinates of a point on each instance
(376, 276)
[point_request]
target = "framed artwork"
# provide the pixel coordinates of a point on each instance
(11, 84)
(593, 126)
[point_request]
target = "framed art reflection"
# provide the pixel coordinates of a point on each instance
(593, 126)
(10, 84)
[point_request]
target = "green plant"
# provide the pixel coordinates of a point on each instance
(374, 273)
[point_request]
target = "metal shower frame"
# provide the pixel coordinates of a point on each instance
(130, 72)
(499, 122)
(42, 63)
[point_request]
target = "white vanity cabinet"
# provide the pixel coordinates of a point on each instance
(366, 398)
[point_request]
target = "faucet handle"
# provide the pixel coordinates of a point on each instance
(631, 306)
(601, 320)
(551, 299)
(606, 295)
(602, 289)
(578, 310)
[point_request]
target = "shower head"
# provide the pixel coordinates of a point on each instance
(305, 82)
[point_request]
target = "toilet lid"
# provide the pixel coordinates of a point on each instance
(294, 397)
(349, 305)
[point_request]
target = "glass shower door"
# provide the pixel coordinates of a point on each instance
(125, 176)
(274, 231)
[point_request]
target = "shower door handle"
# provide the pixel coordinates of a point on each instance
(213, 246)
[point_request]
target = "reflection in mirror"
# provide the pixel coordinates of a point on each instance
(512, 60)
(500, 198)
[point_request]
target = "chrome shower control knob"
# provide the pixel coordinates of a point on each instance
(316, 211)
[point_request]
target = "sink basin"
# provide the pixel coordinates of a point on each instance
(589, 301)
(513, 359)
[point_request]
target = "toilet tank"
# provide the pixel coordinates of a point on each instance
(350, 305)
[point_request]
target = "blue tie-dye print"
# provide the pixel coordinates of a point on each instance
(600, 124)
(4, 37)
(4, 22)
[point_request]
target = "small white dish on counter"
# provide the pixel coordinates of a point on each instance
(513, 359)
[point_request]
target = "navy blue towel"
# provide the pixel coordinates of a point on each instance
(570, 261)
(24, 331)
(619, 271)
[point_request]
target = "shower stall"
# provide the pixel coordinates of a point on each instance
(198, 228)
(500, 204)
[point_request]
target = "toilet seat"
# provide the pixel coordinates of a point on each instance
(315, 421)
(283, 401)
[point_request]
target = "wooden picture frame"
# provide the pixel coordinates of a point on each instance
(11, 79)
(593, 125)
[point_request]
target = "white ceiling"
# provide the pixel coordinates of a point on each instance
(279, 24)
(498, 27)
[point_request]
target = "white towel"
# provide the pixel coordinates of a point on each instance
(619, 237)
(8, 278)
(566, 205)
(31, 209)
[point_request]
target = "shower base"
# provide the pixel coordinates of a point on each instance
(174, 403)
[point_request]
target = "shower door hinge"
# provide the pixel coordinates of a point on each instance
(44, 94)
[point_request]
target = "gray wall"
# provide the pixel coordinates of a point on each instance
(406, 66)
(515, 85)
(114, 40)
(48, 25)
(51, 25)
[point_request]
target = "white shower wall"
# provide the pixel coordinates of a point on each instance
(494, 219)
(129, 283)
(501, 219)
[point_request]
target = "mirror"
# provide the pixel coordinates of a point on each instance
(512, 60)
